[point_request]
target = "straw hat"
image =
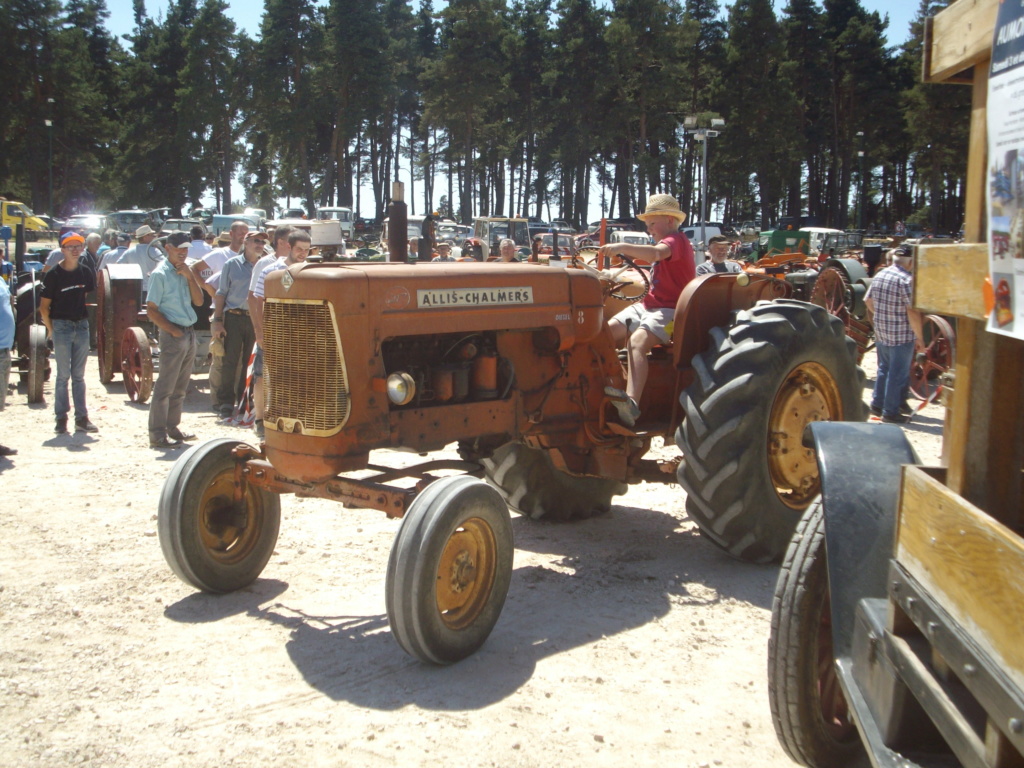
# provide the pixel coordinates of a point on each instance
(663, 205)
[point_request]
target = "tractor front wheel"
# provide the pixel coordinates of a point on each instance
(209, 539)
(449, 570)
(747, 475)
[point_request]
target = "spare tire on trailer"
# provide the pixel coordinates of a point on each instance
(530, 483)
(747, 475)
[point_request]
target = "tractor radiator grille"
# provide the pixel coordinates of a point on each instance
(305, 382)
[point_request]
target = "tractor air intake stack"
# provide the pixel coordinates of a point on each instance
(398, 224)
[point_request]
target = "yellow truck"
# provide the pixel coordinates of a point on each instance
(13, 213)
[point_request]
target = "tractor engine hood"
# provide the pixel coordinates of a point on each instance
(325, 326)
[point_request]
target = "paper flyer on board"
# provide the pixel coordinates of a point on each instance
(1006, 170)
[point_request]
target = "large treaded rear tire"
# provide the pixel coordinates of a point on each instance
(744, 491)
(530, 483)
(809, 712)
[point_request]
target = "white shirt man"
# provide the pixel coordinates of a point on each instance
(140, 254)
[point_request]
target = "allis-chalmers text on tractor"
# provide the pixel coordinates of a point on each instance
(511, 363)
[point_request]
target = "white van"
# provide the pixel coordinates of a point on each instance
(338, 213)
(693, 234)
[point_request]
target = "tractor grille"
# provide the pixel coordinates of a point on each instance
(306, 386)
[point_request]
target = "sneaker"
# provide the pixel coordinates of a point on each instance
(84, 425)
(177, 434)
(227, 411)
(164, 443)
(899, 418)
(628, 410)
(906, 410)
(875, 410)
(61, 427)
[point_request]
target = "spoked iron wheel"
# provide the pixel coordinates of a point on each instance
(938, 357)
(137, 364)
(833, 291)
(105, 326)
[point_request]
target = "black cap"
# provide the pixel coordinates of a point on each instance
(178, 239)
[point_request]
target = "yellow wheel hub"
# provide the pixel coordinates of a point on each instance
(466, 573)
(809, 393)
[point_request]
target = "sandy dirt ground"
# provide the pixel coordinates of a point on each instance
(625, 639)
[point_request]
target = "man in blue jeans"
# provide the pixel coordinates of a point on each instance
(67, 321)
(898, 333)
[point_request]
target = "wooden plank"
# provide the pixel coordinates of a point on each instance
(969, 563)
(959, 37)
(976, 210)
(949, 279)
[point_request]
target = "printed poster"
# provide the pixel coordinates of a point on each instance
(1006, 170)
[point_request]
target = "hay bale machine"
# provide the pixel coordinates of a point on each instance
(511, 362)
(896, 621)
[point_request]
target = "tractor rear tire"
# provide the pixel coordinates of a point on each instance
(530, 483)
(748, 478)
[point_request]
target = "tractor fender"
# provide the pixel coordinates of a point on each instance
(854, 269)
(859, 466)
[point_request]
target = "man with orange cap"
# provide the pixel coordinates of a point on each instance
(67, 321)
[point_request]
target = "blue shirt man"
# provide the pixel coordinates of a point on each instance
(173, 290)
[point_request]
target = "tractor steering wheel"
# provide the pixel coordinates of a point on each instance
(613, 278)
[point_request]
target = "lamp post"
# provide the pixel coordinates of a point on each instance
(702, 135)
(49, 158)
(860, 195)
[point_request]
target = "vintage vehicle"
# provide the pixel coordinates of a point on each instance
(896, 621)
(489, 231)
(84, 224)
(565, 245)
(129, 221)
(293, 213)
(513, 362)
(340, 214)
(626, 236)
(13, 214)
(184, 225)
(221, 222)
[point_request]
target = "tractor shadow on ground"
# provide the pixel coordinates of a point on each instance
(203, 608)
(596, 585)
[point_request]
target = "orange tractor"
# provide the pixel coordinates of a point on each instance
(510, 362)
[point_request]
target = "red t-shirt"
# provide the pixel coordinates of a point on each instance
(669, 276)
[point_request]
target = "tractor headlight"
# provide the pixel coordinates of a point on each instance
(401, 388)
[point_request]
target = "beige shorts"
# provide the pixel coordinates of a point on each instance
(656, 321)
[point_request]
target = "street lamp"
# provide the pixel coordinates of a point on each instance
(702, 135)
(49, 159)
(860, 207)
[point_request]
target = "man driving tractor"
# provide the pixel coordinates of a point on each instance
(646, 324)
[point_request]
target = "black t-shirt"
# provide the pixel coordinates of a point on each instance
(66, 291)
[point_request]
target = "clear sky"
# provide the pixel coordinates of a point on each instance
(246, 14)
